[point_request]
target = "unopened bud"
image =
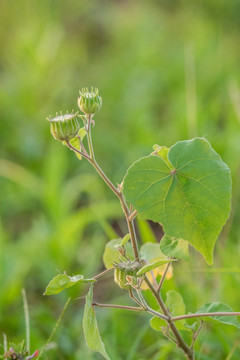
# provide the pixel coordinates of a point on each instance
(89, 102)
(64, 127)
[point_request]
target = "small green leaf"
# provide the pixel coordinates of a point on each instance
(173, 247)
(151, 251)
(162, 151)
(190, 197)
(219, 307)
(90, 327)
(153, 264)
(112, 255)
(62, 282)
(125, 239)
(157, 324)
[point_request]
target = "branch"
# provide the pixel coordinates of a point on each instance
(131, 308)
(102, 273)
(132, 215)
(189, 316)
(76, 150)
(195, 335)
(163, 276)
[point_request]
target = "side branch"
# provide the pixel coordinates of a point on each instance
(189, 316)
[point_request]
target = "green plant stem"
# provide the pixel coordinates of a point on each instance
(180, 341)
(189, 316)
(55, 328)
(27, 321)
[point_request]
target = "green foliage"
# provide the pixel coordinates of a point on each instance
(49, 221)
(177, 248)
(219, 307)
(90, 327)
(190, 197)
(63, 281)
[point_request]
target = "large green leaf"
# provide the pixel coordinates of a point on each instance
(219, 307)
(173, 247)
(62, 282)
(190, 198)
(90, 327)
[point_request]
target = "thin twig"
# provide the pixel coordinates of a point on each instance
(103, 273)
(131, 308)
(189, 316)
(195, 335)
(76, 150)
(132, 215)
(134, 298)
(163, 276)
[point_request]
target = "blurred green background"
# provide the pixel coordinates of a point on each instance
(167, 71)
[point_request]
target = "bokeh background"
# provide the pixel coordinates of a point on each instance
(167, 71)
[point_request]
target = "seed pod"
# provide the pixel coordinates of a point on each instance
(64, 127)
(89, 102)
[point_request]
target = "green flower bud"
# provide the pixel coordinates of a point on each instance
(64, 127)
(89, 102)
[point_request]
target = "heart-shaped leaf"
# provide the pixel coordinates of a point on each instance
(190, 197)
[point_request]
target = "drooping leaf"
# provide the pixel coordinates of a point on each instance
(112, 255)
(219, 307)
(173, 247)
(190, 198)
(90, 327)
(62, 282)
(153, 264)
